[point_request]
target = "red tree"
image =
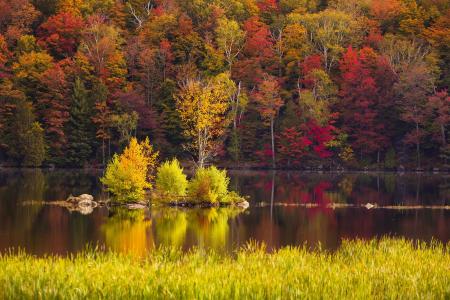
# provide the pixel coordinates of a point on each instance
(359, 106)
(53, 107)
(61, 34)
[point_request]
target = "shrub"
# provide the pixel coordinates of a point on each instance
(127, 175)
(209, 185)
(171, 182)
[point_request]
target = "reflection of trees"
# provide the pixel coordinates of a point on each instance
(134, 232)
(128, 231)
(171, 226)
(193, 227)
(16, 220)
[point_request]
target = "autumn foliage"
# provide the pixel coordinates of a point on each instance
(280, 83)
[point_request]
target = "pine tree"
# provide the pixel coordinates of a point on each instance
(27, 140)
(79, 148)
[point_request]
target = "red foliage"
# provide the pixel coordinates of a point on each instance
(258, 42)
(53, 106)
(360, 105)
(61, 33)
(309, 139)
(309, 64)
(267, 5)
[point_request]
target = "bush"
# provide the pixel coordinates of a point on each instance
(209, 185)
(127, 175)
(171, 182)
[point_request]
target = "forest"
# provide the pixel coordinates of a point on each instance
(255, 83)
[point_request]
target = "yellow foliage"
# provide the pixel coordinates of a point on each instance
(202, 108)
(128, 175)
(32, 64)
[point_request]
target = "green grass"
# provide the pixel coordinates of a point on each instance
(388, 268)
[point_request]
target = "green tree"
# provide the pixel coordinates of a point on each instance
(28, 144)
(79, 148)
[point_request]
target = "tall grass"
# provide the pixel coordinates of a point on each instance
(387, 268)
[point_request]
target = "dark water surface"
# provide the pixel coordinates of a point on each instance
(278, 213)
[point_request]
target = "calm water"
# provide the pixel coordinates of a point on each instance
(277, 215)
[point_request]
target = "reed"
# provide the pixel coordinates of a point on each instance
(386, 268)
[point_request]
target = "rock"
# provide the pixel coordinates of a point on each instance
(83, 204)
(369, 206)
(85, 210)
(243, 204)
(87, 203)
(82, 197)
(136, 206)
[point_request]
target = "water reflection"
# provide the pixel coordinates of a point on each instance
(141, 231)
(275, 216)
(128, 231)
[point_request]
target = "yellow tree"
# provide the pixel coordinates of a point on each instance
(203, 107)
(129, 174)
(230, 39)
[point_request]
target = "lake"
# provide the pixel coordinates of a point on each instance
(286, 208)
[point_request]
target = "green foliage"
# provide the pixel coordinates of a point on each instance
(34, 145)
(390, 161)
(127, 175)
(171, 182)
(79, 126)
(378, 269)
(27, 140)
(209, 185)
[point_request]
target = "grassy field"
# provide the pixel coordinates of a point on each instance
(362, 270)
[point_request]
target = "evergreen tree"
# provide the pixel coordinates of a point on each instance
(27, 141)
(79, 148)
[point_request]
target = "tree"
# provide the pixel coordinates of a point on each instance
(316, 90)
(329, 32)
(439, 104)
(128, 174)
(203, 107)
(439, 36)
(413, 87)
(360, 102)
(79, 148)
(126, 124)
(27, 139)
(53, 107)
(28, 70)
(230, 39)
(100, 44)
(268, 103)
(16, 19)
(101, 117)
(61, 34)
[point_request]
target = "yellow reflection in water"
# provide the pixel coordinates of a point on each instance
(193, 227)
(132, 231)
(129, 232)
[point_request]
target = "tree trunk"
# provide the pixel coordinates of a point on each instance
(418, 145)
(378, 159)
(273, 143)
(200, 152)
(444, 141)
(103, 152)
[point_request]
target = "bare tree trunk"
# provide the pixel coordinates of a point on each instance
(273, 143)
(378, 159)
(103, 151)
(444, 140)
(418, 145)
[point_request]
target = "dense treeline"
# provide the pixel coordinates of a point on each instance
(287, 83)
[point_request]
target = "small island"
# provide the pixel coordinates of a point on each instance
(134, 177)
